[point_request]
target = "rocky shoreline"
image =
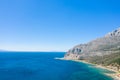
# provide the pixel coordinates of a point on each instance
(103, 52)
(115, 75)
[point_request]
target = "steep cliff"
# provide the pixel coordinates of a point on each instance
(103, 51)
(100, 47)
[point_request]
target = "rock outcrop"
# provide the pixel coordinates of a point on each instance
(106, 45)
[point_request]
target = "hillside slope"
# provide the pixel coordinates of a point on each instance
(105, 50)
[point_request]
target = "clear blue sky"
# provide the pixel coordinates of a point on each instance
(55, 25)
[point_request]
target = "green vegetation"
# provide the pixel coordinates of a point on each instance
(102, 51)
(107, 60)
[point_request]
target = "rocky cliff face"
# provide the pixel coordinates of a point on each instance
(106, 45)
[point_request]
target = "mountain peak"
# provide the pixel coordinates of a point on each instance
(101, 46)
(113, 33)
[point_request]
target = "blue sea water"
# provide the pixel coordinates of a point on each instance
(43, 66)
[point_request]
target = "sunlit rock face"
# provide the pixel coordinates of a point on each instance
(106, 45)
(115, 33)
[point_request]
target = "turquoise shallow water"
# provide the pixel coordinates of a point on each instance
(43, 66)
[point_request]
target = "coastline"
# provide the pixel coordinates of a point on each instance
(113, 75)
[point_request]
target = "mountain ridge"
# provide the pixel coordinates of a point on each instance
(102, 48)
(103, 44)
(113, 33)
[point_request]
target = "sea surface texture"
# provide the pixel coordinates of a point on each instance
(43, 66)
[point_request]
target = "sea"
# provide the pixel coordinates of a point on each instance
(44, 66)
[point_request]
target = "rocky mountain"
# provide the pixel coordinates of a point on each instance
(103, 51)
(106, 45)
(114, 33)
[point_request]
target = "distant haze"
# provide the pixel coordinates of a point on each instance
(55, 25)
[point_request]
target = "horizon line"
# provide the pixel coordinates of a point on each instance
(28, 51)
